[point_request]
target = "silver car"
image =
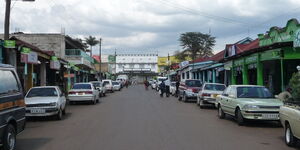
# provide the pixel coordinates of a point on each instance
(208, 93)
(83, 92)
(100, 87)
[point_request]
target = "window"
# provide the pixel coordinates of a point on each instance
(82, 86)
(42, 92)
(9, 84)
(214, 87)
(187, 75)
(253, 92)
(193, 83)
(183, 75)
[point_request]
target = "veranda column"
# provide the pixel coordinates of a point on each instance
(259, 70)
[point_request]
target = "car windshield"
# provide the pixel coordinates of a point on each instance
(193, 83)
(253, 92)
(115, 83)
(42, 92)
(214, 87)
(82, 86)
(96, 84)
(105, 82)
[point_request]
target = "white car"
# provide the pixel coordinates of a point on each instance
(108, 85)
(153, 84)
(159, 81)
(100, 87)
(45, 101)
(116, 86)
(173, 88)
(83, 92)
(208, 93)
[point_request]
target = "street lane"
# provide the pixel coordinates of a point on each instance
(135, 119)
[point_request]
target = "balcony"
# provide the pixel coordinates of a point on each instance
(77, 56)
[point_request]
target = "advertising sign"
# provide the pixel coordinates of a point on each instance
(33, 58)
(10, 44)
(183, 64)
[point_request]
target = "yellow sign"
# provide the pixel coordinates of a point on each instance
(163, 61)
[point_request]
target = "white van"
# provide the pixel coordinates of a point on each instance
(108, 85)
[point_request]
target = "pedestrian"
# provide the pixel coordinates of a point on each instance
(177, 88)
(126, 83)
(146, 84)
(162, 88)
(168, 84)
(285, 95)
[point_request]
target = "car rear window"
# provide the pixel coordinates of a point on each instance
(115, 83)
(8, 82)
(82, 86)
(96, 84)
(42, 92)
(214, 87)
(193, 83)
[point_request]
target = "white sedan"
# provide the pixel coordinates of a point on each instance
(116, 86)
(83, 92)
(45, 101)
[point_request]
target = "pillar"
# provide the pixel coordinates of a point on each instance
(233, 78)
(69, 80)
(75, 74)
(1, 52)
(29, 81)
(259, 71)
(203, 76)
(245, 74)
(214, 75)
(43, 74)
(282, 74)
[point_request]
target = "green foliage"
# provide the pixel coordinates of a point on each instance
(91, 41)
(197, 44)
(180, 55)
(295, 86)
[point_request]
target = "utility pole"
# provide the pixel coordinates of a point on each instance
(6, 28)
(116, 62)
(100, 44)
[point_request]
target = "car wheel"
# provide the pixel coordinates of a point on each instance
(239, 117)
(221, 113)
(64, 111)
(59, 114)
(179, 97)
(290, 139)
(201, 104)
(9, 138)
(184, 99)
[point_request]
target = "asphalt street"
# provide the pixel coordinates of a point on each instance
(135, 119)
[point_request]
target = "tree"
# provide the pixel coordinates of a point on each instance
(295, 86)
(85, 46)
(181, 56)
(197, 44)
(91, 41)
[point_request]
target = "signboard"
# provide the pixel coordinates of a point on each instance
(10, 44)
(54, 65)
(111, 58)
(69, 75)
(270, 55)
(184, 64)
(33, 58)
(251, 59)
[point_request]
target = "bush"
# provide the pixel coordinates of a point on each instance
(295, 86)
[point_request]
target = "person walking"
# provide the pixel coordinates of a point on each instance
(168, 84)
(177, 88)
(146, 84)
(162, 88)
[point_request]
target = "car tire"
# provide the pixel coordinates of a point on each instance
(239, 117)
(184, 98)
(9, 138)
(290, 139)
(179, 97)
(201, 104)
(221, 113)
(59, 114)
(64, 111)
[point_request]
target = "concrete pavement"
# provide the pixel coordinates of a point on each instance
(135, 119)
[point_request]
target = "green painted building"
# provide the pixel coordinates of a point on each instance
(270, 60)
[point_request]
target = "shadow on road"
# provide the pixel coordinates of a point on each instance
(32, 143)
(49, 118)
(255, 123)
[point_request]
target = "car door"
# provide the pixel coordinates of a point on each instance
(295, 121)
(232, 101)
(223, 100)
(62, 99)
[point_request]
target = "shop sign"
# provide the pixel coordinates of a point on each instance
(33, 58)
(251, 59)
(184, 64)
(10, 44)
(269, 55)
(238, 62)
(25, 50)
(69, 75)
(111, 59)
(55, 65)
(297, 39)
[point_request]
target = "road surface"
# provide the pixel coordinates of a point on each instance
(135, 119)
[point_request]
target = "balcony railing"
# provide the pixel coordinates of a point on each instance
(79, 53)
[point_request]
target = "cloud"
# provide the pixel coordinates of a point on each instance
(147, 25)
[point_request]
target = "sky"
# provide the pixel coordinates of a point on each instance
(150, 26)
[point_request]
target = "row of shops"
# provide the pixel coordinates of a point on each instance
(269, 60)
(37, 67)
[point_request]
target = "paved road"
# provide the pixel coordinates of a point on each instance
(135, 119)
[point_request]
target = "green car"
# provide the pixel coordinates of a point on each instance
(248, 102)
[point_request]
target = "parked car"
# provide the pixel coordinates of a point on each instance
(248, 102)
(153, 84)
(12, 110)
(116, 86)
(208, 93)
(173, 88)
(83, 92)
(100, 87)
(290, 119)
(188, 90)
(108, 85)
(45, 101)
